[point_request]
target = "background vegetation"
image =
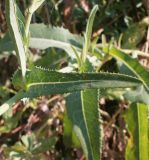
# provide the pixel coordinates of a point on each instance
(39, 128)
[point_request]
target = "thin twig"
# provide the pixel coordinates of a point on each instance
(114, 118)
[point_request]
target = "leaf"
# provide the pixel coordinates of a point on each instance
(13, 26)
(6, 44)
(43, 37)
(35, 4)
(51, 59)
(89, 28)
(123, 69)
(88, 34)
(40, 77)
(132, 64)
(69, 137)
(41, 82)
(21, 22)
(134, 34)
(136, 119)
(84, 114)
(92, 118)
(138, 95)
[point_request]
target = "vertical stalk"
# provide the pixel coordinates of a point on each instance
(28, 21)
(34, 5)
(29, 14)
(88, 37)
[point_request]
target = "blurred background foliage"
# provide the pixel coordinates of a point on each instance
(37, 130)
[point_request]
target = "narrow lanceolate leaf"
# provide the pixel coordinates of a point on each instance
(11, 12)
(137, 122)
(132, 64)
(93, 124)
(88, 34)
(83, 111)
(39, 77)
(41, 82)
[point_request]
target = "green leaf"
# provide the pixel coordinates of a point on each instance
(132, 64)
(39, 77)
(21, 22)
(41, 82)
(69, 137)
(12, 21)
(6, 44)
(134, 34)
(93, 124)
(88, 34)
(35, 4)
(138, 95)
(89, 28)
(84, 114)
(137, 122)
(43, 37)
(51, 59)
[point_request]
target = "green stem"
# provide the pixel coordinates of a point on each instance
(85, 50)
(128, 51)
(28, 21)
(82, 59)
(29, 13)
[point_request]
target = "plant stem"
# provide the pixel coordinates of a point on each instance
(84, 55)
(29, 14)
(129, 51)
(28, 21)
(140, 53)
